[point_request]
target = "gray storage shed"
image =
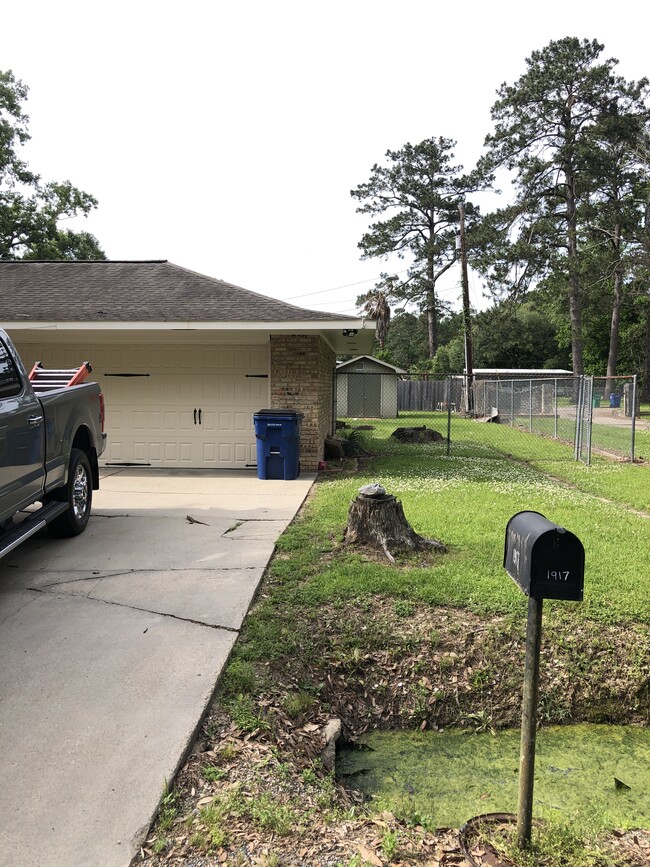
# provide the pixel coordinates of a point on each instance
(366, 388)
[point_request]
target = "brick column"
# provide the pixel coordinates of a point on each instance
(302, 369)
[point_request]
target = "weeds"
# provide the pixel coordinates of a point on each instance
(552, 845)
(212, 774)
(243, 713)
(239, 678)
(298, 703)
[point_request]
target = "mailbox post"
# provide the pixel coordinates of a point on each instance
(545, 561)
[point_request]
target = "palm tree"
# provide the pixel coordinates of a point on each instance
(375, 305)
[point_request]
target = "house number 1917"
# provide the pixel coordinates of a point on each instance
(557, 575)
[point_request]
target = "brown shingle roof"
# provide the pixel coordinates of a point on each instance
(156, 291)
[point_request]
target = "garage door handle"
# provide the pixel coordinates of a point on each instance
(200, 422)
(195, 416)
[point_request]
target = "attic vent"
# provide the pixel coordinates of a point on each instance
(359, 365)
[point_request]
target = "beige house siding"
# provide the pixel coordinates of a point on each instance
(301, 380)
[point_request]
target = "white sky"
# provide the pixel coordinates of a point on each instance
(226, 136)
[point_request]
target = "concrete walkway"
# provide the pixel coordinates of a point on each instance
(112, 644)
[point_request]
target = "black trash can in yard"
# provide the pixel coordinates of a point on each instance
(278, 443)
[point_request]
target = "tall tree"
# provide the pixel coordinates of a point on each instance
(643, 256)
(418, 192)
(31, 210)
(612, 213)
(542, 128)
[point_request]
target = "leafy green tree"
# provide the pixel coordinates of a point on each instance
(456, 352)
(407, 341)
(642, 270)
(613, 215)
(512, 336)
(417, 196)
(441, 366)
(543, 127)
(30, 209)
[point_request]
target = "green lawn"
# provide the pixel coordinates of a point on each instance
(465, 499)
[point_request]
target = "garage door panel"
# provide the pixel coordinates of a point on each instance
(141, 451)
(258, 391)
(241, 421)
(210, 453)
(241, 451)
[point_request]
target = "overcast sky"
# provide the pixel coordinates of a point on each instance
(226, 137)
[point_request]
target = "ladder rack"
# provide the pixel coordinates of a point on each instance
(47, 380)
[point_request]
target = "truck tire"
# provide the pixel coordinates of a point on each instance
(78, 493)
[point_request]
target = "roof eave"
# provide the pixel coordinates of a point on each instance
(344, 336)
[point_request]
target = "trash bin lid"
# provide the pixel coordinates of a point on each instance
(277, 412)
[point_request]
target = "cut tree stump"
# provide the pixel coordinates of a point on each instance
(422, 434)
(379, 522)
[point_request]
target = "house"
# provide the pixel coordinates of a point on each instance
(366, 388)
(184, 360)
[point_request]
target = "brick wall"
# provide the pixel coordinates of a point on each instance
(301, 380)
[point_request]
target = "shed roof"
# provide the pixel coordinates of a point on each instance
(137, 291)
(391, 367)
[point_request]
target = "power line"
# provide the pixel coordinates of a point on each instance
(345, 286)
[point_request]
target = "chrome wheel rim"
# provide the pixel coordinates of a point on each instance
(80, 493)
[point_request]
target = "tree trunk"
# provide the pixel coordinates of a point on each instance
(645, 389)
(432, 313)
(379, 522)
(614, 329)
(575, 314)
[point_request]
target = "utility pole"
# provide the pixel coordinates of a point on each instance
(469, 362)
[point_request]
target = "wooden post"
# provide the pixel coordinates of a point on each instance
(529, 723)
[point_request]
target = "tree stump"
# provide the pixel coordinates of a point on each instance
(379, 522)
(422, 434)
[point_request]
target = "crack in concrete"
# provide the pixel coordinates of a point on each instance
(22, 607)
(232, 629)
(120, 572)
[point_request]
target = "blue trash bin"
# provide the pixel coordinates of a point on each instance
(614, 400)
(278, 443)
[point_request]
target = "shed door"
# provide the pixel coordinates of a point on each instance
(364, 395)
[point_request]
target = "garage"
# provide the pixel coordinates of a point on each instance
(173, 406)
(184, 360)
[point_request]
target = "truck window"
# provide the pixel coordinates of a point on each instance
(10, 384)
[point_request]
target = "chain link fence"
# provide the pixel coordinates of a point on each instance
(584, 415)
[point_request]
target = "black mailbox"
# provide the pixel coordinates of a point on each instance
(545, 560)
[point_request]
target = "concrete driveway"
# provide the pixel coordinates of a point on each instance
(111, 646)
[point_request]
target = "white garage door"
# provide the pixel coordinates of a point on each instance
(173, 406)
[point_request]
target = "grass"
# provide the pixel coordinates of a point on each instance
(553, 845)
(215, 819)
(467, 501)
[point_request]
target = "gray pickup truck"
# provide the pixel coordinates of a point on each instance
(49, 446)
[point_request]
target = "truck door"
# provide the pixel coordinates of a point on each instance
(21, 439)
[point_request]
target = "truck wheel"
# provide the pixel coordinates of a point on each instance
(78, 493)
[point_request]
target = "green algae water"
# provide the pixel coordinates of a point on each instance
(591, 776)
